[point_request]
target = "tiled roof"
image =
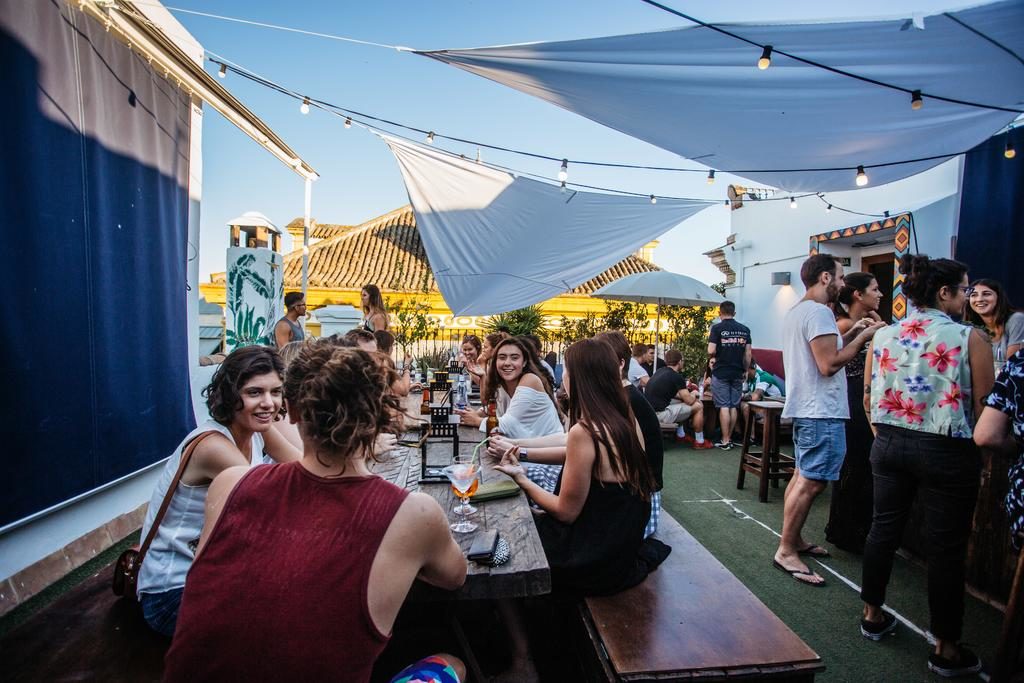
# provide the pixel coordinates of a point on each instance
(387, 251)
(319, 231)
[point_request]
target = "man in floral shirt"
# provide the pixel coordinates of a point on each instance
(1001, 427)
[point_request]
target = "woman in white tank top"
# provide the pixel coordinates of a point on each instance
(244, 400)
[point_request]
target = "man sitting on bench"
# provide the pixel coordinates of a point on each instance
(672, 402)
(761, 384)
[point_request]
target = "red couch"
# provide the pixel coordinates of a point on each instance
(771, 361)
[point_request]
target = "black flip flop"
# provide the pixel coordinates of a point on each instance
(809, 551)
(797, 572)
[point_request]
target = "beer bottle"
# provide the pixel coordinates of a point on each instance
(425, 405)
(492, 416)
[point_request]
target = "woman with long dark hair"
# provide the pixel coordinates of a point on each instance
(375, 313)
(524, 397)
(925, 378)
(991, 309)
(849, 518)
(593, 531)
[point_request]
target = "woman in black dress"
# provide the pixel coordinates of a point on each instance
(849, 518)
(593, 529)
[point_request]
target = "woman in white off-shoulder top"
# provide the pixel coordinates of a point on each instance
(525, 401)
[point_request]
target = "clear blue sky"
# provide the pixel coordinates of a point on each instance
(359, 178)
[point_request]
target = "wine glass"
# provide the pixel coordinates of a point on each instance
(464, 475)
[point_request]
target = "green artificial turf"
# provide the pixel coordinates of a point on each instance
(827, 618)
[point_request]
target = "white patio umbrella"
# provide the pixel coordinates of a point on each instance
(663, 288)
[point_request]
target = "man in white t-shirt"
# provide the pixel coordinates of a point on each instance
(814, 355)
(636, 375)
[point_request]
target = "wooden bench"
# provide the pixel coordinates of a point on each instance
(691, 619)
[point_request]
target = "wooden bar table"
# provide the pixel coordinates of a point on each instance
(527, 572)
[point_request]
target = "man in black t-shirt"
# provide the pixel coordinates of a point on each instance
(729, 345)
(648, 421)
(648, 361)
(672, 402)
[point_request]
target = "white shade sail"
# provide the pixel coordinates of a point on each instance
(700, 94)
(496, 242)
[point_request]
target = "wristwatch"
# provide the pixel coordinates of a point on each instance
(522, 455)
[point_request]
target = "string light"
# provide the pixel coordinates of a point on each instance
(766, 58)
(563, 173)
(348, 121)
(862, 177)
(792, 202)
(711, 177)
(1009, 152)
(478, 155)
(915, 100)
(223, 71)
(430, 138)
(304, 107)
(654, 200)
(828, 209)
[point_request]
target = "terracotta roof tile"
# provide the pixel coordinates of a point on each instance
(387, 251)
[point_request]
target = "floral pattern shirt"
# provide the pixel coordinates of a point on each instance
(920, 375)
(1008, 397)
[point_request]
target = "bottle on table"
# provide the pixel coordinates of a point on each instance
(492, 416)
(461, 394)
(425, 405)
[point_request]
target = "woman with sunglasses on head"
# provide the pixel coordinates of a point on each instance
(593, 532)
(524, 397)
(991, 309)
(925, 378)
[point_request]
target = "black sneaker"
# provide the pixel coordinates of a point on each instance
(966, 663)
(876, 630)
(724, 445)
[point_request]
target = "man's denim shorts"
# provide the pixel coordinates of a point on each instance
(726, 392)
(820, 446)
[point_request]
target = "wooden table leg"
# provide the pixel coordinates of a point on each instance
(744, 451)
(767, 448)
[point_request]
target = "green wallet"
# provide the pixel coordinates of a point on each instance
(495, 489)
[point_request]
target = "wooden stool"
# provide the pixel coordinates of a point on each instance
(768, 463)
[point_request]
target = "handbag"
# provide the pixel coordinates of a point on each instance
(126, 569)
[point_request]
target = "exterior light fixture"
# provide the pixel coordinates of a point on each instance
(563, 173)
(915, 100)
(711, 177)
(766, 58)
(304, 107)
(862, 177)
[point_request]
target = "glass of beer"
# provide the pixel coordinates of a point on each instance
(464, 475)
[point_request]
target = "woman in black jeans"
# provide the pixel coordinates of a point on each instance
(925, 378)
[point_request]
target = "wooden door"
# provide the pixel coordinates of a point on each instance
(883, 268)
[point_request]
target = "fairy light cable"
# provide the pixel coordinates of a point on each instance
(769, 50)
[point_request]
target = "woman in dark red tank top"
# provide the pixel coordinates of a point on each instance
(302, 567)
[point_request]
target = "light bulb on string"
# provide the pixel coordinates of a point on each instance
(766, 58)
(792, 202)
(915, 100)
(563, 173)
(478, 155)
(862, 177)
(828, 209)
(304, 107)
(430, 138)
(654, 200)
(711, 177)
(223, 72)
(348, 121)
(1009, 152)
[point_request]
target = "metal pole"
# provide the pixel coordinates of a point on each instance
(305, 243)
(657, 337)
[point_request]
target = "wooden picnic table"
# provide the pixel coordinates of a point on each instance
(527, 572)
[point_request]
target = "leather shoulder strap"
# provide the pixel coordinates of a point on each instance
(186, 455)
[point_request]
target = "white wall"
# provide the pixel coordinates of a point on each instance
(778, 238)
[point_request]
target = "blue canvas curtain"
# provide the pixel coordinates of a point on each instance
(990, 238)
(94, 199)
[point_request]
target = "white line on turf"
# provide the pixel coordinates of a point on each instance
(903, 620)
